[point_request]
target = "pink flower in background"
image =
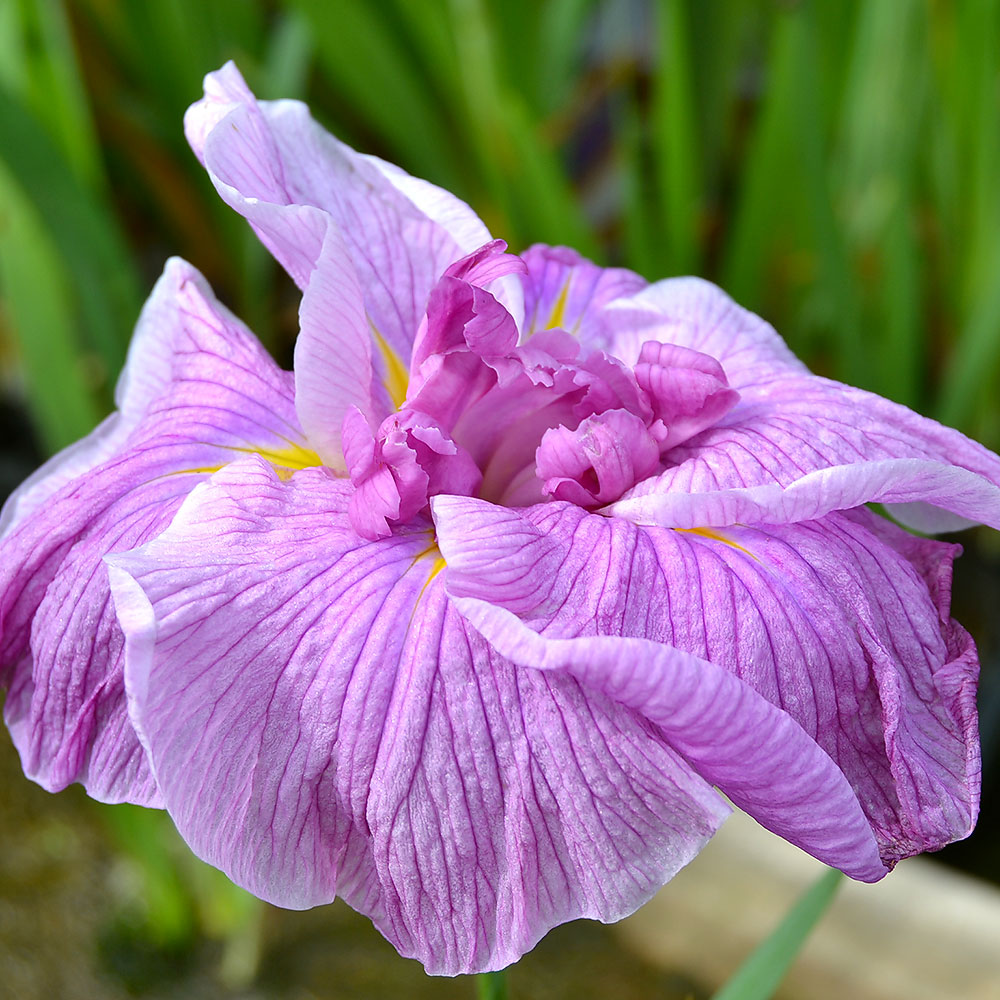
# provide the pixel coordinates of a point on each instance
(470, 619)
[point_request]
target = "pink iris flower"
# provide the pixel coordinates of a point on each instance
(471, 618)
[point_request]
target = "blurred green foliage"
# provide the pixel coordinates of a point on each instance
(832, 164)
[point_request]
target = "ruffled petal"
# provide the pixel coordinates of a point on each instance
(835, 635)
(206, 392)
(291, 179)
(322, 721)
(696, 314)
(800, 446)
(597, 460)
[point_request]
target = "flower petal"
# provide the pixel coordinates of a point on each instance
(840, 656)
(598, 460)
(290, 178)
(694, 313)
(333, 354)
(206, 392)
(566, 291)
(826, 446)
(321, 721)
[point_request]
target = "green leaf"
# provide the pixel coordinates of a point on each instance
(491, 986)
(368, 59)
(49, 82)
(770, 195)
(676, 139)
(82, 228)
(760, 975)
(521, 166)
(41, 320)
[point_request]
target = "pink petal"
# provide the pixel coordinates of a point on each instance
(321, 721)
(844, 671)
(198, 391)
(567, 291)
(693, 313)
(333, 354)
(799, 446)
(598, 460)
(291, 179)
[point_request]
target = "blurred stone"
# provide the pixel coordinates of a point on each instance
(924, 933)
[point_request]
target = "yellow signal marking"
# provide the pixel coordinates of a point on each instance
(397, 376)
(717, 536)
(557, 319)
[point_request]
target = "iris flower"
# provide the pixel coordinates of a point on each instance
(472, 618)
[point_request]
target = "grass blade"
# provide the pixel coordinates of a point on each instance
(40, 318)
(521, 167)
(365, 55)
(760, 975)
(83, 230)
(676, 140)
(767, 199)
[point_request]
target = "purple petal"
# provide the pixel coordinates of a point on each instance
(693, 313)
(688, 390)
(206, 392)
(598, 460)
(834, 634)
(321, 721)
(291, 179)
(799, 446)
(333, 354)
(566, 291)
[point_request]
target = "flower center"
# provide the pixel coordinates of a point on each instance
(519, 424)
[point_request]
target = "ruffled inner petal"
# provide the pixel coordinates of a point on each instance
(801, 446)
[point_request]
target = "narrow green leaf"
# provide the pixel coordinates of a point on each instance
(875, 170)
(364, 54)
(640, 224)
(904, 335)
(761, 974)
(288, 56)
(973, 76)
(521, 167)
(37, 309)
(148, 837)
(51, 86)
(974, 363)
(834, 284)
(547, 202)
(491, 986)
(561, 32)
(676, 139)
(83, 230)
(766, 200)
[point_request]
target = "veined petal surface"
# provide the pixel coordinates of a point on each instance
(199, 391)
(840, 626)
(291, 179)
(322, 721)
(568, 292)
(696, 314)
(825, 446)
